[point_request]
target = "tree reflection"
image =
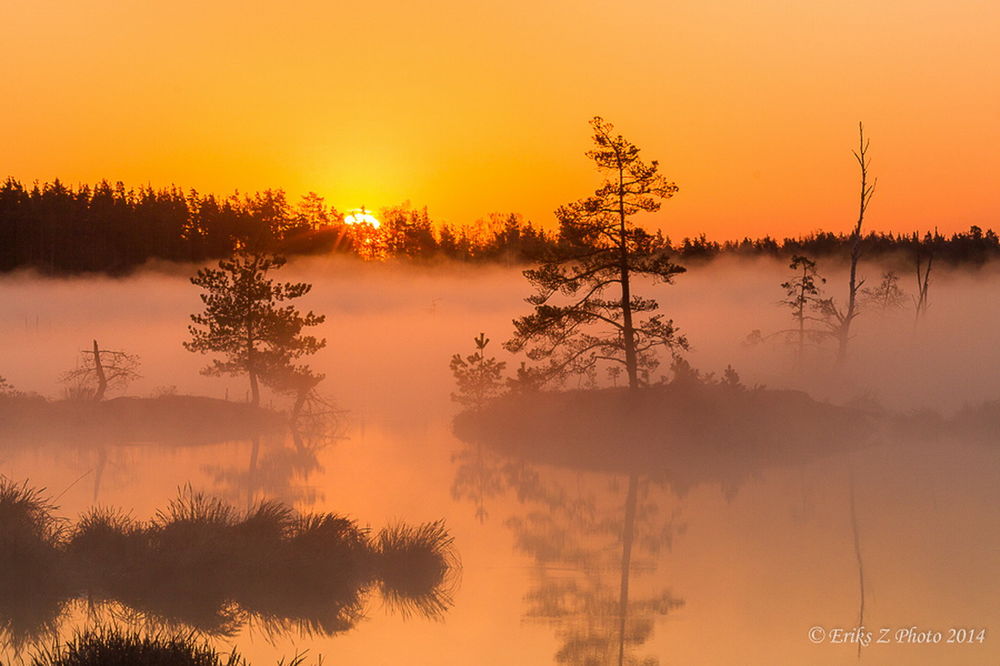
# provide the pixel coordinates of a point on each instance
(280, 465)
(592, 469)
(595, 541)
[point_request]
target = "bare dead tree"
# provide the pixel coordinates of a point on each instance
(839, 320)
(923, 282)
(102, 369)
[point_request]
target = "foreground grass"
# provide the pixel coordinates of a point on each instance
(113, 647)
(205, 566)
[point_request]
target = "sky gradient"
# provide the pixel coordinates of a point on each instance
(472, 108)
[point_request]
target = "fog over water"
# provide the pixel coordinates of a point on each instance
(391, 330)
(721, 573)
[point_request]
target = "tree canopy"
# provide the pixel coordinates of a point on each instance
(247, 319)
(586, 313)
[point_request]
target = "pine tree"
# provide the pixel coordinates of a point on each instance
(801, 292)
(586, 312)
(247, 321)
(477, 377)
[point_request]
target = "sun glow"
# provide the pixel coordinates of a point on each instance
(362, 216)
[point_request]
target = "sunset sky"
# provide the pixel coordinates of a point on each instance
(479, 107)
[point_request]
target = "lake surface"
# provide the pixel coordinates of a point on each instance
(734, 573)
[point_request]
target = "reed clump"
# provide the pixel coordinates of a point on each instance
(203, 565)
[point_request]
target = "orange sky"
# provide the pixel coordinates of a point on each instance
(476, 107)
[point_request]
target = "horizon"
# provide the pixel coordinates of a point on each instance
(548, 226)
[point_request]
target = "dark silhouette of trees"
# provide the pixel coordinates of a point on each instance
(577, 324)
(408, 232)
(110, 228)
(247, 321)
(101, 369)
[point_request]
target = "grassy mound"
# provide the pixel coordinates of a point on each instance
(202, 564)
(179, 420)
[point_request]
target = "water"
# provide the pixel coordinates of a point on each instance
(717, 573)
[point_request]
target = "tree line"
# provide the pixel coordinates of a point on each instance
(109, 228)
(587, 317)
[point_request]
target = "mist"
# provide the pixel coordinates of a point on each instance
(764, 531)
(391, 330)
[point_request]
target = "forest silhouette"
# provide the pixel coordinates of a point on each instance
(110, 228)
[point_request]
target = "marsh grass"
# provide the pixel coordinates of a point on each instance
(202, 565)
(315, 578)
(110, 646)
(32, 578)
(27, 516)
(415, 566)
(113, 647)
(106, 547)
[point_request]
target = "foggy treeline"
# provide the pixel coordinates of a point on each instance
(111, 228)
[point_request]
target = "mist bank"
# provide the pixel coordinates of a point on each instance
(392, 328)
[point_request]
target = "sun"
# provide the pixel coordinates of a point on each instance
(362, 216)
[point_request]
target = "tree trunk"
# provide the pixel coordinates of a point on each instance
(631, 361)
(844, 333)
(628, 331)
(252, 368)
(923, 281)
(254, 388)
(802, 319)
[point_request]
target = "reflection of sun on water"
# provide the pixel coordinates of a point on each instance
(362, 216)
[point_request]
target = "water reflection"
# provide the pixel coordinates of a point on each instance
(590, 537)
(599, 476)
(171, 420)
(201, 564)
(589, 546)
